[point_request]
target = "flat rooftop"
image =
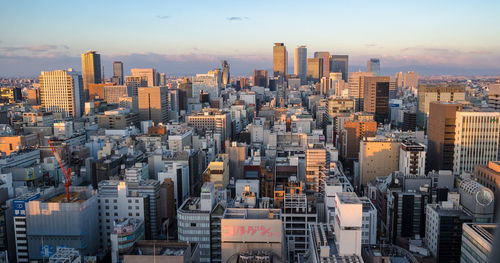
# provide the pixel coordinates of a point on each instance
(243, 213)
(61, 198)
(348, 198)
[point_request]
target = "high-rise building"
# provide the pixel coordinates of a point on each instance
(300, 64)
(352, 133)
(477, 242)
(340, 63)
(259, 77)
(399, 79)
(443, 227)
(225, 73)
(118, 72)
(212, 120)
(347, 227)
(136, 82)
(441, 135)
(494, 96)
(91, 68)
(314, 69)
(436, 92)
(153, 104)
(34, 96)
(476, 139)
(337, 86)
(10, 95)
(280, 60)
(376, 98)
(373, 65)
(377, 157)
(217, 172)
(489, 176)
(412, 159)
(316, 166)
(62, 91)
(148, 74)
(209, 83)
(411, 79)
(325, 55)
(357, 87)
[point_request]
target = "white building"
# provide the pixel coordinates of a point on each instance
(348, 223)
(412, 158)
(62, 91)
(210, 83)
(476, 139)
(178, 172)
(369, 223)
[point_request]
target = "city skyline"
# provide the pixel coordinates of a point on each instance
(182, 39)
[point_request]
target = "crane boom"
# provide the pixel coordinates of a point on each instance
(67, 173)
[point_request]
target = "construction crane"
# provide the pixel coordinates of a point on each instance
(67, 173)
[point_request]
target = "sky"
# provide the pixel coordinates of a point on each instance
(188, 37)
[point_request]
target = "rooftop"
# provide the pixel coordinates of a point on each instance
(159, 248)
(243, 213)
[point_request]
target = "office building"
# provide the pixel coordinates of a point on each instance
(317, 165)
(212, 120)
(412, 158)
(441, 135)
(10, 95)
(443, 227)
(347, 227)
(135, 82)
(209, 83)
(373, 65)
(410, 79)
(489, 176)
(194, 220)
(237, 155)
(112, 94)
(53, 221)
(339, 106)
(340, 63)
(476, 200)
(117, 119)
(325, 56)
(91, 69)
(33, 96)
(62, 91)
(337, 86)
(259, 77)
(147, 74)
(476, 139)
(118, 72)
(369, 222)
(314, 69)
(280, 60)
(325, 246)
(377, 157)
(477, 241)
(357, 87)
(153, 104)
(300, 64)
(217, 172)
(376, 98)
(352, 133)
(126, 232)
(162, 251)
(225, 73)
(494, 97)
(251, 233)
(428, 93)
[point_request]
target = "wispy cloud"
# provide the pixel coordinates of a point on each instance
(237, 18)
(163, 17)
(33, 48)
(371, 45)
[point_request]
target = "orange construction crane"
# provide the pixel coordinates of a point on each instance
(67, 173)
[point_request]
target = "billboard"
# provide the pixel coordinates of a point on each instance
(19, 205)
(251, 230)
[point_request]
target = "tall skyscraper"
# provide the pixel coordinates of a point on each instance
(476, 139)
(153, 104)
(118, 72)
(340, 63)
(373, 65)
(209, 83)
(325, 55)
(62, 91)
(376, 97)
(411, 79)
(148, 73)
(280, 60)
(436, 92)
(357, 87)
(91, 69)
(259, 78)
(314, 69)
(225, 73)
(441, 135)
(300, 63)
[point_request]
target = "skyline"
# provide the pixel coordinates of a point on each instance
(179, 38)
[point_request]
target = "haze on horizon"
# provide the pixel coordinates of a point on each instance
(432, 38)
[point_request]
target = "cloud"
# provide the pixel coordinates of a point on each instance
(34, 48)
(370, 45)
(237, 18)
(163, 17)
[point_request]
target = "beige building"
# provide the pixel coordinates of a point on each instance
(62, 91)
(213, 120)
(91, 69)
(112, 94)
(280, 60)
(411, 79)
(436, 92)
(217, 172)
(357, 87)
(317, 164)
(153, 104)
(378, 156)
(149, 74)
(314, 69)
(376, 97)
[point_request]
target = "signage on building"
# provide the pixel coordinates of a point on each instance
(20, 205)
(248, 230)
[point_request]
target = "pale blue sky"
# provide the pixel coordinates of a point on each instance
(176, 37)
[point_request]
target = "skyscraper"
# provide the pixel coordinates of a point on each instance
(376, 97)
(225, 73)
(357, 87)
(118, 72)
(62, 91)
(325, 55)
(153, 104)
(373, 65)
(148, 73)
(340, 63)
(314, 69)
(411, 79)
(436, 92)
(280, 60)
(300, 63)
(259, 78)
(91, 68)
